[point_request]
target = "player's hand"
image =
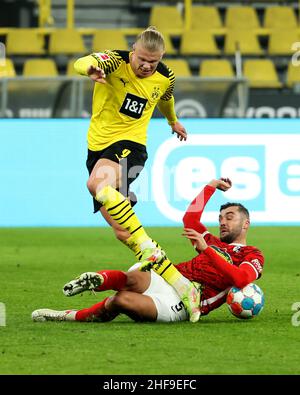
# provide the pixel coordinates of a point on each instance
(179, 130)
(196, 238)
(223, 184)
(96, 74)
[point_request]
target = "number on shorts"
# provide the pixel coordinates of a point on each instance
(178, 307)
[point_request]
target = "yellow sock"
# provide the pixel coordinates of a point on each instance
(121, 211)
(169, 272)
(130, 243)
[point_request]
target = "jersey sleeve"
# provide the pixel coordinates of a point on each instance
(238, 276)
(167, 108)
(255, 260)
(108, 61)
(168, 94)
(192, 216)
(82, 64)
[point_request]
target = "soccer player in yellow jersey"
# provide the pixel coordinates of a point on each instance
(128, 86)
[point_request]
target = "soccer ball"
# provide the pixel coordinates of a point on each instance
(247, 302)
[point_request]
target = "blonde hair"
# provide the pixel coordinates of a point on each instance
(152, 40)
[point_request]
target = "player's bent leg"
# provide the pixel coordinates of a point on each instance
(120, 233)
(119, 208)
(98, 312)
(88, 281)
(102, 280)
(137, 281)
(188, 292)
(169, 306)
(105, 172)
(135, 305)
(119, 214)
(126, 238)
(103, 183)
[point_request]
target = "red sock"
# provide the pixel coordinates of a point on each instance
(97, 312)
(113, 279)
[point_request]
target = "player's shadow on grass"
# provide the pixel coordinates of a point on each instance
(206, 321)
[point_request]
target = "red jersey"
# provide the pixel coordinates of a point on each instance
(214, 283)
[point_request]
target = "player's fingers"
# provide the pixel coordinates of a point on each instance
(187, 234)
(188, 229)
(90, 70)
(190, 237)
(181, 136)
(190, 232)
(227, 180)
(225, 184)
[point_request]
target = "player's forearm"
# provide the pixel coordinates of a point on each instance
(194, 212)
(82, 64)
(167, 108)
(236, 276)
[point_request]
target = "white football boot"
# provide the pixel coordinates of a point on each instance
(85, 282)
(43, 315)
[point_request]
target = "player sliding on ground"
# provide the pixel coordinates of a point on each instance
(145, 296)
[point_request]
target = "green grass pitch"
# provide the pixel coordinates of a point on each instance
(36, 263)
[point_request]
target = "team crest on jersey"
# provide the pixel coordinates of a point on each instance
(237, 249)
(101, 56)
(222, 253)
(156, 93)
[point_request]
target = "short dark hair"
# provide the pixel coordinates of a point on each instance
(241, 208)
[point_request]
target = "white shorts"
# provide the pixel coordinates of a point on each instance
(168, 304)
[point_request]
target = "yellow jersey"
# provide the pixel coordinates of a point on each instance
(122, 108)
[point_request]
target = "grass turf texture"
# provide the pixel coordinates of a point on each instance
(36, 263)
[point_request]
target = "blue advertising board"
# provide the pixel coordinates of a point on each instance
(43, 174)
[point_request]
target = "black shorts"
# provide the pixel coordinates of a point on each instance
(130, 155)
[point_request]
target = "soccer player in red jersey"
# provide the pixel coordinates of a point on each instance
(148, 296)
(222, 262)
(225, 261)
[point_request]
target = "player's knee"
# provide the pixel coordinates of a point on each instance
(138, 281)
(96, 184)
(122, 300)
(91, 186)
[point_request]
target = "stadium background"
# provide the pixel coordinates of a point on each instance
(235, 61)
